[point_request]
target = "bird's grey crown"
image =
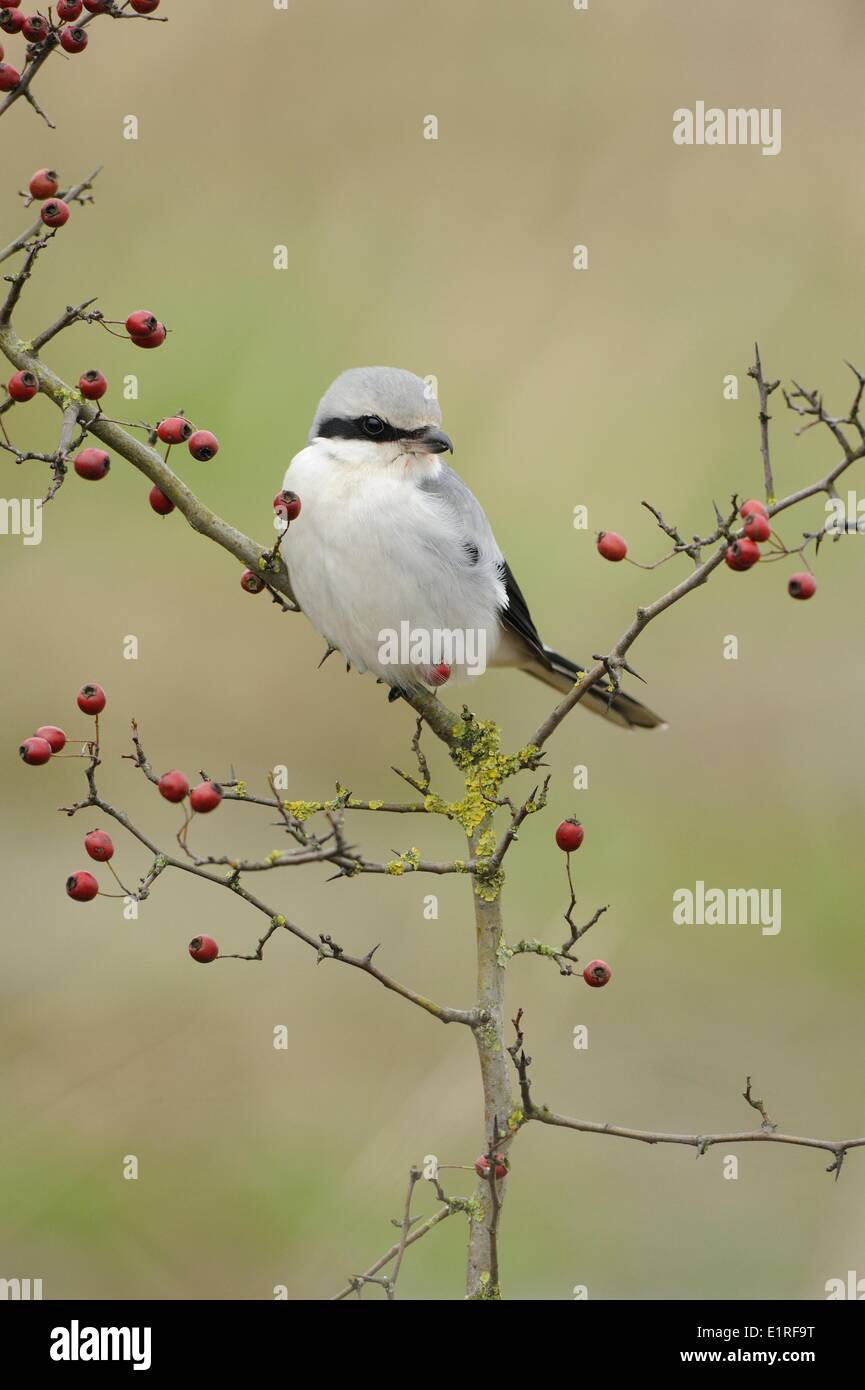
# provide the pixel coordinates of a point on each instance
(399, 397)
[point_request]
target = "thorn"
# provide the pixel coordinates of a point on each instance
(631, 672)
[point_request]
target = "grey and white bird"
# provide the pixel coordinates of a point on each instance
(390, 539)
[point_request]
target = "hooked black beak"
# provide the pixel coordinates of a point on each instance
(433, 442)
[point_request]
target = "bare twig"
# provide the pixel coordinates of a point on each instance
(767, 1134)
(406, 1239)
(764, 389)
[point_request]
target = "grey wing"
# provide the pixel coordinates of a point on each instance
(482, 551)
(472, 526)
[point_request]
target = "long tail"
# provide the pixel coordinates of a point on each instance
(621, 709)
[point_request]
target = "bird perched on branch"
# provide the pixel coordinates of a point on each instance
(392, 557)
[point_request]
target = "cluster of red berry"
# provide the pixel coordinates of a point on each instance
(744, 553)
(202, 445)
(83, 887)
(43, 189)
(41, 33)
(145, 331)
(569, 836)
(94, 464)
(48, 739)
(46, 743)
(483, 1165)
(174, 786)
(741, 555)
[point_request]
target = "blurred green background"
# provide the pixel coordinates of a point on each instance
(560, 388)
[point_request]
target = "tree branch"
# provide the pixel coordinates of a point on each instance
(767, 1134)
(42, 51)
(324, 947)
(407, 1238)
(75, 194)
(764, 389)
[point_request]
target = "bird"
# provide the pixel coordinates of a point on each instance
(392, 557)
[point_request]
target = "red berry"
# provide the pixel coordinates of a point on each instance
(11, 20)
(69, 9)
(175, 430)
(802, 585)
(35, 751)
(251, 582)
(152, 340)
(91, 699)
(23, 386)
(82, 887)
(569, 835)
(757, 526)
(173, 786)
(99, 845)
(203, 948)
(747, 508)
(74, 40)
(439, 674)
(203, 445)
(92, 464)
(35, 28)
(612, 546)
(52, 735)
(44, 183)
(144, 6)
(141, 324)
(482, 1166)
(159, 502)
(741, 555)
(55, 212)
(205, 797)
(597, 974)
(92, 385)
(9, 77)
(287, 505)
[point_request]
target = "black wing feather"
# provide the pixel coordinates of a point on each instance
(518, 618)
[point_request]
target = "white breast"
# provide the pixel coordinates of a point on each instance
(373, 554)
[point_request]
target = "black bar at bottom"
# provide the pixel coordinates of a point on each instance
(84, 1339)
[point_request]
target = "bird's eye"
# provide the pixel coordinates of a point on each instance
(373, 425)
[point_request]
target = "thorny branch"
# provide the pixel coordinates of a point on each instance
(764, 390)
(767, 1133)
(331, 848)
(77, 193)
(408, 1237)
(608, 667)
(39, 53)
(324, 947)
